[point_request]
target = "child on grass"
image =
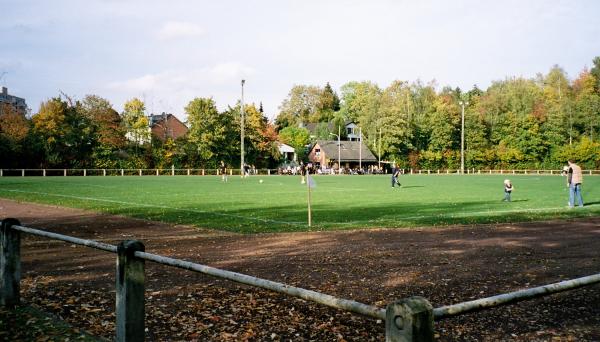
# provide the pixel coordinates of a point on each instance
(508, 188)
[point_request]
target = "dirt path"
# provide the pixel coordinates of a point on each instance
(446, 265)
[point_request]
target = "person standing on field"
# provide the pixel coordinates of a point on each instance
(508, 188)
(395, 174)
(223, 170)
(302, 172)
(574, 180)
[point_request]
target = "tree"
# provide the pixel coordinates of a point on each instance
(13, 125)
(262, 150)
(136, 123)
(296, 137)
(328, 104)
(445, 124)
(421, 108)
(106, 121)
(66, 136)
(108, 130)
(587, 104)
(208, 130)
(14, 129)
(392, 119)
(360, 101)
(301, 106)
(595, 71)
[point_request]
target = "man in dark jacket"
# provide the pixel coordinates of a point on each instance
(395, 174)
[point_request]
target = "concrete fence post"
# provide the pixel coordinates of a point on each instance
(188, 172)
(65, 172)
(104, 172)
(84, 172)
(10, 263)
(140, 172)
(44, 173)
(409, 320)
(22, 172)
(203, 172)
(130, 292)
(122, 172)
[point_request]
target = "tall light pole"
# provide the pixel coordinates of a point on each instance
(339, 149)
(379, 151)
(242, 133)
(360, 149)
(462, 136)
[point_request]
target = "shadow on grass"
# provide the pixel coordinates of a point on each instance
(332, 217)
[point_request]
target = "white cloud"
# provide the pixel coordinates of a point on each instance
(179, 86)
(226, 72)
(180, 29)
(185, 78)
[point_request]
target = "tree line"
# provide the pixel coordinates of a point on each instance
(517, 123)
(533, 123)
(90, 134)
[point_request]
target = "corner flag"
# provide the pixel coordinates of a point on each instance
(311, 182)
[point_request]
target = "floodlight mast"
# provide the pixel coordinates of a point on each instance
(379, 151)
(339, 154)
(242, 133)
(462, 136)
(360, 149)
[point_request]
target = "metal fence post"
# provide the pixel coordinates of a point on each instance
(10, 263)
(409, 320)
(130, 292)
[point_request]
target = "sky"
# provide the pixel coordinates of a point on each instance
(170, 52)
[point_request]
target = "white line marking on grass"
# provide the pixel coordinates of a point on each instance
(160, 206)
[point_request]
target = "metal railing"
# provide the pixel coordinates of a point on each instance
(262, 172)
(126, 172)
(539, 172)
(409, 319)
(131, 254)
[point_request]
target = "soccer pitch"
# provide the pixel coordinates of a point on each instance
(279, 203)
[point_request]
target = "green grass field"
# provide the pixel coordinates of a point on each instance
(279, 203)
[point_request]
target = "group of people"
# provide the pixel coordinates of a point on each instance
(574, 179)
(572, 171)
